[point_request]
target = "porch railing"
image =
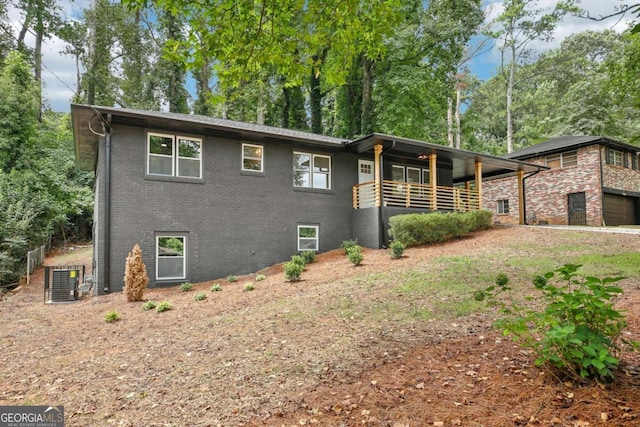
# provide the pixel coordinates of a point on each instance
(419, 196)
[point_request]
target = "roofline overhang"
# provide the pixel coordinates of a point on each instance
(595, 140)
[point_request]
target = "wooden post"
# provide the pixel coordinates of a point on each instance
(467, 186)
(433, 180)
(479, 182)
(521, 197)
(377, 150)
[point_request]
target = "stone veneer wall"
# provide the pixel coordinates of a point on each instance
(620, 178)
(546, 192)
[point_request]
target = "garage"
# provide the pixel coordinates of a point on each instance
(620, 210)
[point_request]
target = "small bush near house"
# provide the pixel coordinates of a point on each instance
(164, 306)
(149, 305)
(249, 287)
(355, 255)
(135, 275)
(111, 316)
(576, 331)
(426, 228)
(260, 277)
(232, 279)
(348, 244)
(292, 271)
(309, 256)
(186, 286)
(216, 287)
(298, 259)
(396, 249)
(200, 296)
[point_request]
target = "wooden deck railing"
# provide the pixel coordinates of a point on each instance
(420, 196)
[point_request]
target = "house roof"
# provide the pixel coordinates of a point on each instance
(88, 125)
(564, 143)
(463, 161)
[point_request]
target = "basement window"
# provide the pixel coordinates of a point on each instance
(503, 207)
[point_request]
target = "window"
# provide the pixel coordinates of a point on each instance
(413, 175)
(365, 168)
(252, 156)
(308, 238)
(170, 155)
(397, 173)
(311, 170)
(562, 160)
(410, 174)
(503, 207)
(170, 257)
(615, 157)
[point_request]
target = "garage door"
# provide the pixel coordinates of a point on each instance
(619, 210)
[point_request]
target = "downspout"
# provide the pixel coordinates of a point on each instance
(524, 194)
(107, 204)
(380, 221)
(601, 184)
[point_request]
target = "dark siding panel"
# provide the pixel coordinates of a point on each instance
(620, 210)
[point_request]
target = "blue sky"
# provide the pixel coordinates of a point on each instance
(59, 73)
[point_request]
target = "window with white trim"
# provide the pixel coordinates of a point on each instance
(503, 206)
(170, 257)
(615, 157)
(173, 155)
(308, 238)
(252, 157)
(311, 170)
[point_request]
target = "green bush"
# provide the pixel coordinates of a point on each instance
(232, 279)
(298, 259)
(309, 256)
(292, 271)
(260, 277)
(200, 296)
(348, 244)
(571, 323)
(186, 286)
(355, 255)
(164, 306)
(249, 287)
(396, 248)
(216, 287)
(425, 228)
(111, 316)
(149, 305)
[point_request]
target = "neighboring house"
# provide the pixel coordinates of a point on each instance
(206, 198)
(591, 181)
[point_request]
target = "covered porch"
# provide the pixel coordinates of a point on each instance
(399, 175)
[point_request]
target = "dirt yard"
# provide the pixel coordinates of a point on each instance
(340, 348)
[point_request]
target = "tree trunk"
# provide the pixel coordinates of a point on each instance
(450, 121)
(512, 69)
(315, 93)
(38, 70)
(260, 109)
(286, 107)
(458, 131)
(366, 122)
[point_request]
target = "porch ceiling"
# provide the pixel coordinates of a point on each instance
(463, 161)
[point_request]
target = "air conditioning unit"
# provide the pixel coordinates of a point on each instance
(64, 285)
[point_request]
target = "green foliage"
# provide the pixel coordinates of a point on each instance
(260, 277)
(396, 249)
(149, 305)
(111, 316)
(423, 229)
(186, 286)
(164, 306)
(571, 323)
(355, 255)
(249, 287)
(292, 271)
(309, 256)
(348, 244)
(232, 279)
(298, 259)
(200, 296)
(216, 287)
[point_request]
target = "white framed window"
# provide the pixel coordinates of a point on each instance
(413, 175)
(503, 206)
(252, 158)
(308, 239)
(172, 155)
(615, 157)
(171, 257)
(311, 170)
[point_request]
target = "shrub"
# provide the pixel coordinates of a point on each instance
(260, 277)
(135, 275)
(232, 279)
(111, 316)
(164, 306)
(576, 332)
(249, 287)
(292, 271)
(355, 255)
(298, 259)
(397, 249)
(216, 287)
(149, 305)
(426, 228)
(200, 296)
(186, 286)
(348, 244)
(309, 256)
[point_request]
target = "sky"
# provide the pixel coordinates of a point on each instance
(59, 71)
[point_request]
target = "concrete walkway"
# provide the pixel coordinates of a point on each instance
(617, 229)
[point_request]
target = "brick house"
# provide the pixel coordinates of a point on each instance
(206, 197)
(591, 181)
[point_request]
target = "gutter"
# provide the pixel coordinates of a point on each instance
(380, 221)
(107, 205)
